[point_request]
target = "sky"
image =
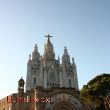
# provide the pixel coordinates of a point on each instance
(83, 26)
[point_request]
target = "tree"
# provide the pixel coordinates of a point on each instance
(96, 89)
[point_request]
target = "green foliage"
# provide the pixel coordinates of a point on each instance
(96, 88)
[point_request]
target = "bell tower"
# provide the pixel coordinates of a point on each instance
(21, 86)
(69, 72)
(51, 73)
(33, 69)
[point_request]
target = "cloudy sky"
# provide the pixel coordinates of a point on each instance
(83, 26)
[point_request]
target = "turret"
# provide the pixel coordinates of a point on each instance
(35, 53)
(21, 86)
(59, 59)
(65, 57)
(33, 68)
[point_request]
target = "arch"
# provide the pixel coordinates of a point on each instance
(63, 105)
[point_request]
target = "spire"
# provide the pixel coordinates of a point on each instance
(48, 44)
(65, 51)
(48, 40)
(48, 50)
(35, 48)
(72, 60)
(35, 53)
(58, 59)
(29, 57)
(65, 56)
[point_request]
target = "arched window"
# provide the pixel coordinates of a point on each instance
(52, 77)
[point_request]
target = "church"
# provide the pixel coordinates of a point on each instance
(51, 84)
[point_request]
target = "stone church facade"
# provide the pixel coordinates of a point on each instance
(47, 72)
(51, 84)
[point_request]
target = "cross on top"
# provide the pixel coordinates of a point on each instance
(48, 36)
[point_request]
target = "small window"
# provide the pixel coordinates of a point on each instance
(34, 81)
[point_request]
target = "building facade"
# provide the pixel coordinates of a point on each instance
(46, 71)
(51, 84)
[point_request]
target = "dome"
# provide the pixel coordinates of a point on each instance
(21, 80)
